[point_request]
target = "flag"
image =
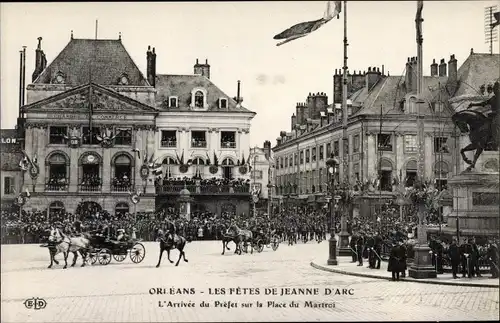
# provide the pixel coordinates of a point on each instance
(182, 158)
(177, 155)
(136, 150)
(208, 159)
(152, 157)
(496, 15)
(157, 171)
(243, 159)
(418, 19)
(27, 193)
(305, 28)
(216, 160)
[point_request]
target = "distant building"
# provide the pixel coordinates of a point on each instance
(382, 145)
(261, 173)
(11, 174)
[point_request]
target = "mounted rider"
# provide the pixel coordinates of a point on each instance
(493, 103)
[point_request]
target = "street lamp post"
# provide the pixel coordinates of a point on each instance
(332, 164)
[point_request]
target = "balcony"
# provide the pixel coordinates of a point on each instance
(89, 187)
(228, 144)
(169, 143)
(119, 187)
(199, 144)
(56, 187)
(204, 189)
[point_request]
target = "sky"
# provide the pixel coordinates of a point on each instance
(237, 40)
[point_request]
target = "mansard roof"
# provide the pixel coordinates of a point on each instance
(478, 69)
(181, 86)
(101, 61)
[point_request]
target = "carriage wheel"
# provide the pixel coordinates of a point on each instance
(275, 242)
(91, 258)
(104, 256)
(260, 245)
(119, 258)
(137, 253)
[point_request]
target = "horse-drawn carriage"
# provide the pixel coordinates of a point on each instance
(269, 239)
(102, 249)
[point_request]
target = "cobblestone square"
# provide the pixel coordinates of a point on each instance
(122, 291)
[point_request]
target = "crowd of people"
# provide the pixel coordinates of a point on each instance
(121, 182)
(57, 182)
(90, 181)
(384, 236)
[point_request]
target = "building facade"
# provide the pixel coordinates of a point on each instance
(382, 133)
(11, 174)
(261, 173)
(202, 139)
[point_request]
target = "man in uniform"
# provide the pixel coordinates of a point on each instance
(493, 259)
(370, 244)
(475, 252)
(454, 254)
(359, 248)
(377, 249)
(352, 244)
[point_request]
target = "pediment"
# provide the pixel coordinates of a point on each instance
(79, 100)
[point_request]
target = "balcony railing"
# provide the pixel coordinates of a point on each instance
(168, 143)
(204, 189)
(56, 187)
(199, 144)
(228, 144)
(89, 187)
(122, 187)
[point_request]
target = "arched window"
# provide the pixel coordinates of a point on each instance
(227, 167)
(411, 105)
(168, 165)
(90, 172)
(56, 209)
(441, 171)
(199, 165)
(121, 208)
(57, 168)
(411, 173)
(385, 175)
(122, 173)
(199, 99)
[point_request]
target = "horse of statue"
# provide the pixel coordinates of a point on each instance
(483, 130)
(171, 240)
(61, 243)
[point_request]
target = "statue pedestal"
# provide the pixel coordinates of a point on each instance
(422, 263)
(475, 205)
(185, 204)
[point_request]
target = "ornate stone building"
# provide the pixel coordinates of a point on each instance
(11, 175)
(88, 123)
(382, 142)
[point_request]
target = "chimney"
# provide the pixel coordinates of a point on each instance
(408, 78)
(414, 76)
(337, 86)
(153, 67)
(278, 141)
(434, 68)
(294, 121)
(267, 149)
(452, 69)
(202, 69)
(40, 61)
(149, 66)
(442, 68)
(371, 78)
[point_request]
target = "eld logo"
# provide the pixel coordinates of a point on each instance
(35, 303)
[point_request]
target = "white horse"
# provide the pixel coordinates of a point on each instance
(61, 243)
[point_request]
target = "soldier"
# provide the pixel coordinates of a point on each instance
(352, 244)
(475, 252)
(493, 259)
(378, 250)
(359, 248)
(394, 265)
(466, 251)
(454, 254)
(403, 254)
(370, 244)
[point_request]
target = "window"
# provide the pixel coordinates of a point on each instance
(355, 144)
(8, 185)
(168, 165)
(122, 180)
(441, 171)
(286, 161)
(411, 173)
(295, 157)
(198, 139)
(290, 160)
(168, 138)
(123, 136)
(313, 154)
(90, 137)
(90, 173)
(222, 103)
(227, 167)
(411, 105)
(336, 148)
(58, 172)
(172, 102)
(199, 99)
(321, 152)
(302, 157)
(57, 135)
(228, 139)
(308, 155)
(441, 145)
(199, 165)
(410, 143)
(328, 150)
(384, 142)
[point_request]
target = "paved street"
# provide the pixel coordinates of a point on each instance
(121, 292)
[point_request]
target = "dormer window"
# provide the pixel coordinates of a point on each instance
(411, 105)
(222, 103)
(198, 99)
(123, 80)
(60, 78)
(172, 102)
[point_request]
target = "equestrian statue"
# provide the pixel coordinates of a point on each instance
(483, 130)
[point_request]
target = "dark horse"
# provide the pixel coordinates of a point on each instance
(482, 130)
(170, 240)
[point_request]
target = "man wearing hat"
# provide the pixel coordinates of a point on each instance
(352, 245)
(359, 248)
(493, 259)
(454, 253)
